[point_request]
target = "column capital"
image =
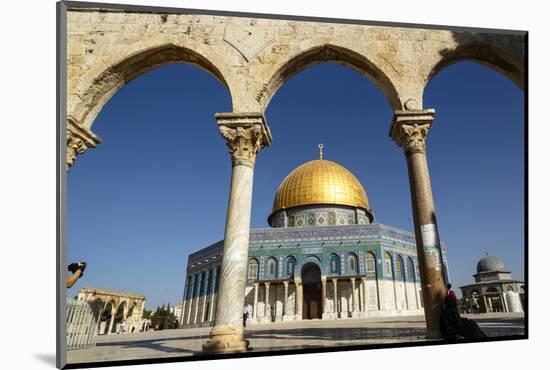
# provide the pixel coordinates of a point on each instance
(285, 283)
(79, 139)
(245, 134)
(410, 128)
(267, 283)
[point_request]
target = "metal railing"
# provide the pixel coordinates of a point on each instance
(82, 323)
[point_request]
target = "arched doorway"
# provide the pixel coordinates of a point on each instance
(311, 280)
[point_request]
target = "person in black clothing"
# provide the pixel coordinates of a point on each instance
(77, 270)
(454, 327)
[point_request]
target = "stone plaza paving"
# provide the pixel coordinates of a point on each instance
(282, 336)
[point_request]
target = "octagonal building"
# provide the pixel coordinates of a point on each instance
(324, 257)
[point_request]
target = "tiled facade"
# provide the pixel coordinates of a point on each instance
(373, 268)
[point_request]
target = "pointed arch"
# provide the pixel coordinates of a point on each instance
(506, 56)
(335, 54)
(108, 82)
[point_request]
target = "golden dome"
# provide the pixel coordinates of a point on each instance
(320, 182)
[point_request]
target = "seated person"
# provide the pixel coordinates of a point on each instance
(452, 325)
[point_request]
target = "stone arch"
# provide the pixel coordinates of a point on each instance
(309, 259)
(388, 265)
(108, 82)
(333, 264)
(132, 306)
(253, 268)
(504, 56)
(290, 265)
(328, 53)
(411, 270)
(370, 264)
(272, 267)
(353, 263)
(399, 268)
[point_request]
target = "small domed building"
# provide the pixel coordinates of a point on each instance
(322, 258)
(494, 289)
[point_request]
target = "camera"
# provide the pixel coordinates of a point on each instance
(73, 267)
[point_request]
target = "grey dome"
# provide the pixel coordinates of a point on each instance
(489, 264)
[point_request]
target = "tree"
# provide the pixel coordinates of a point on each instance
(162, 318)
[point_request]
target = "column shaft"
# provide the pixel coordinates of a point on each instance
(324, 293)
(285, 307)
(245, 134)
(335, 308)
(255, 308)
(409, 130)
(267, 308)
(299, 299)
(365, 298)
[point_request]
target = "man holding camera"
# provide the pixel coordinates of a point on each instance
(77, 270)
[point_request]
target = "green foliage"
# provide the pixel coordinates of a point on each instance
(162, 318)
(147, 314)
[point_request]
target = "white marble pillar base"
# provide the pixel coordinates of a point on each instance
(226, 339)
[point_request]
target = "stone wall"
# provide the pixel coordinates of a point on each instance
(253, 57)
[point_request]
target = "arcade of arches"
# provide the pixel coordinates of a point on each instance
(252, 58)
(117, 307)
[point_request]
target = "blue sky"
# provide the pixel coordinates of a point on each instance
(156, 189)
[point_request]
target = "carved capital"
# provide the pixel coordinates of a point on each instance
(79, 139)
(409, 129)
(245, 134)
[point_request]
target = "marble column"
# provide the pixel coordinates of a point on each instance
(255, 308)
(299, 298)
(199, 292)
(246, 134)
(267, 311)
(335, 298)
(184, 302)
(207, 281)
(111, 322)
(409, 130)
(192, 294)
(355, 309)
(504, 303)
(285, 302)
(324, 295)
(365, 297)
(213, 293)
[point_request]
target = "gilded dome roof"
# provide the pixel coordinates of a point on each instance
(320, 182)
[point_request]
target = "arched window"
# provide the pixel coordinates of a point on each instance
(252, 268)
(272, 267)
(410, 268)
(290, 264)
(334, 262)
(387, 263)
(399, 268)
(371, 265)
(352, 264)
